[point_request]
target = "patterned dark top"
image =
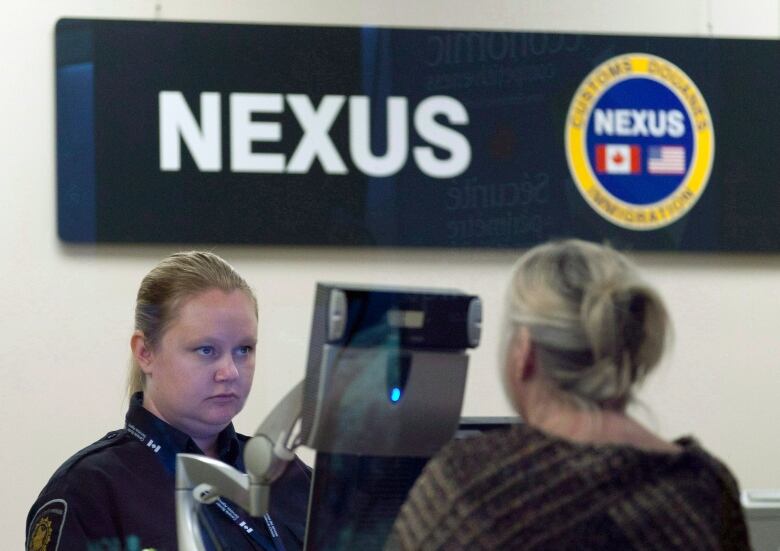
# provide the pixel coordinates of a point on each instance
(523, 489)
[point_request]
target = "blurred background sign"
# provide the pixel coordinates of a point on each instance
(347, 136)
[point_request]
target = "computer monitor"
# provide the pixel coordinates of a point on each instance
(356, 498)
(386, 370)
(384, 386)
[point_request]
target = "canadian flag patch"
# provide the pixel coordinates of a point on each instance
(617, 158)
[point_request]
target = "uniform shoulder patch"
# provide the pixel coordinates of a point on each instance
(46, 526)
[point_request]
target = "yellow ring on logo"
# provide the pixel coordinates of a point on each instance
(679, 202)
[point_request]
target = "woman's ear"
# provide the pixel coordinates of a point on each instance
(522, 364)
(142, 352)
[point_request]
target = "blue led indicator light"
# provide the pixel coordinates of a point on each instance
(395, 394)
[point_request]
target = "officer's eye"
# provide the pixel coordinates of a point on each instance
(244, 350)
(205, 351)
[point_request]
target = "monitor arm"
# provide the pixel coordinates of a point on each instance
(201, 479)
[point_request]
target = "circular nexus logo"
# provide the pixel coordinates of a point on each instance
(639, 141)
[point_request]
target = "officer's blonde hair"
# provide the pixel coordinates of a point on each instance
(175, 279)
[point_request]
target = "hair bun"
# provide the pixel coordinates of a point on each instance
(625, 323)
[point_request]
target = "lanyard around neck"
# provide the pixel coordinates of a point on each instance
(167, 456)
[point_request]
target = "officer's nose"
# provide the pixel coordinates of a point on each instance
(227, 369)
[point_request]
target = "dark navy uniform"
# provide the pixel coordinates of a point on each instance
(118, 494)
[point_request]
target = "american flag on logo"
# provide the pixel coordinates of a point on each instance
(665, 159)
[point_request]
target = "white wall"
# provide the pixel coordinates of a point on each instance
(65, 311)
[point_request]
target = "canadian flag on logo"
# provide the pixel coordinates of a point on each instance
(618, 158)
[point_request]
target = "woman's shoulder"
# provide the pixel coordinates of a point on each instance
(691, 447)
(530, 455)
(463, 458)
(81, 472)
(709, 469)
(97, 456)
(520, 439)
(691, 492)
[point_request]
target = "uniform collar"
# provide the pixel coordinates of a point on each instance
(228, 446)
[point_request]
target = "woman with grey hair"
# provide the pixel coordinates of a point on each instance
(582, 331)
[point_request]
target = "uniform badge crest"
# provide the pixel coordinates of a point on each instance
(46, 526)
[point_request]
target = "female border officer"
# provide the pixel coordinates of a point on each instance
(193, 359)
